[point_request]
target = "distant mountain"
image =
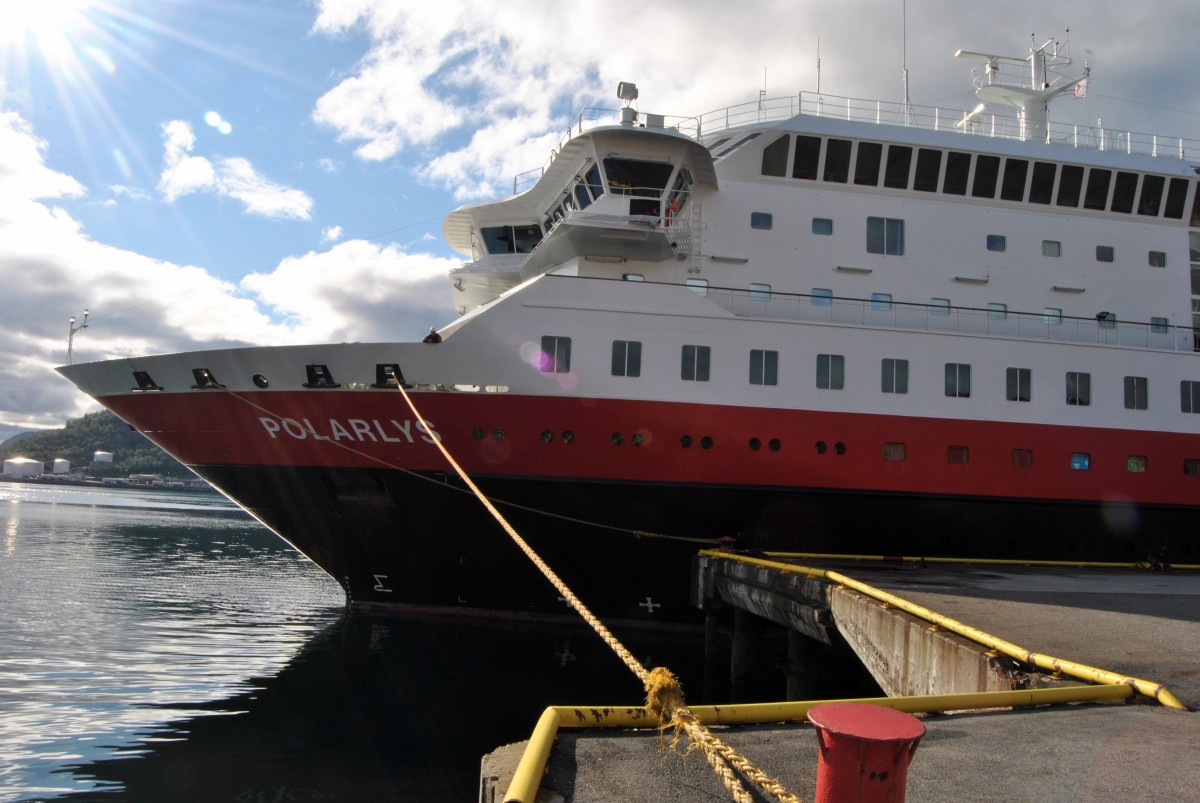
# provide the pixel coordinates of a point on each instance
(132, 452)
(17, 436)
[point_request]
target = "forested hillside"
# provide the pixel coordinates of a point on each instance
(103, 431)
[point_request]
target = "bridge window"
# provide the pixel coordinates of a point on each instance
(1070, 185)
(1013, 186)
(866, 166)
(808, 155)
(899, 159)
(511, 239)
(1124, 190)
(774, 157)
(635, 177)
(837, 161)
(1150, 200)
(1041, 188)
(929, 166)
(987, 169)
(1097, 189)
(958, 169)
(1176, 198)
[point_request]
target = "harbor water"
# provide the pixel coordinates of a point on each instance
(164, 646)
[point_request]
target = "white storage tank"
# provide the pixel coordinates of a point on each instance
(102, 457)
(22, 467)
(62, 467)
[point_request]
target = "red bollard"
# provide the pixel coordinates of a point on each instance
(864, 752)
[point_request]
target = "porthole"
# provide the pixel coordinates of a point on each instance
(568, 436)
(477, 433)
(706, 442)
(821, 447)
(637, 438)
(686, 441)
(497, 434)
(547, 436)
(617, 438)
(839, 447)
(260, 380)
(774, 445)
(755, 444)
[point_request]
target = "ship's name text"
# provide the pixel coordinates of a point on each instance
(354, 429)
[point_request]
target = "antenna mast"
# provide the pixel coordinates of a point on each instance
(72, 329)
(904, 60)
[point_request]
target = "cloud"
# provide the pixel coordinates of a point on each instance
(331, 234)
(233, 177)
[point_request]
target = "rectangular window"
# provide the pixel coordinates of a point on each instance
(1017, 384)
(1124, 190)
(997, 311)
(1022, 458)
(1079, 389)
(1052, 316)
(837, 160)
(1150, 201)
(1097, 189)
(987, 169)
(764, 367)
(997, 242)
(881, 301)
(893, 451)
(1013, 186)
(1070, 185)
(761, 220)
(1177, 192)
(760, 292)
(1051, 248)
(822, 226)
(808, 155)
(895, 376)
(831, 370)
(929, 165)
(1041, 188)
(958, 455)
(1189, 396)
(1136, 464)
(821, 297)
(633, 277)
(1081, 461)
(695, 363)
(958, 169)
(556, 355)
(958, 380)
(939, 306)
(1158, 259)
(1159, 326)
(1105, 253)
(626, 358)
(1135, 393)
(1107, 320)
(885, 236)
(774, 157)
(866, 166)
(895, 174)
(1191, 466)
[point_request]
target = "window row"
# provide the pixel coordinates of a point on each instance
(931, 170)
(830, 374)
(1053, 248)
(897, 451)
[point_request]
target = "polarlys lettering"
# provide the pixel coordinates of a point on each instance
(359, 430)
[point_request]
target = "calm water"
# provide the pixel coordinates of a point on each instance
(158, 646)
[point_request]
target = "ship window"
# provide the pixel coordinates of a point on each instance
(1052, 316)
(592, 179)
(713, 148)
(1022, 458)
(680, 191)
(1124, 191)
(1158, 259)
(581, 195)
(1105, 253)
(1041, 188)
(1150, 201)
(987, 168)
(1196, 210)
(764, 367)
(1081, 461)
(1191, 466)
(774, 157)
(929, 165)
(899, 159)
(633, 277)
(881, 301)
(1070, 184)
(761, 220)
(1159, 326)
(1017, 383)
(626, 358)
(885, 236)
(697, 286)
(1176, 197)
(498, 239)
(1135, 393)
(997, 311)
(556, 355)
(866, 166)
(1097, 189)
(997, 242)
(837, 160)
(1189, 396)
(726, 152)
(822, 225)
(939, 306)
(831, 371)
(958, 380)
(1136, 464)
(958, 455)
(760, 291)
(634, 177)
(1079, 389)
(821, 297)
(958, 169)
(1051, 248)
(695, 363)
(808, 154)
(1013, 186)
(894, 376)
(893, 451)
(1107, 320)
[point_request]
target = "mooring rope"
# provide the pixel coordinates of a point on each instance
(664, 696)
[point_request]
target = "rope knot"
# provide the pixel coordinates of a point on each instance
(664, 696)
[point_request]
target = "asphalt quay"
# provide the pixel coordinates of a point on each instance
(1139, 623)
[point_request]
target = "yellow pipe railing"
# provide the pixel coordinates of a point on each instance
(1074, 564)
(528, 776)
(1082, 671)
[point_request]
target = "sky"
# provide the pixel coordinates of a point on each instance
(211, 173)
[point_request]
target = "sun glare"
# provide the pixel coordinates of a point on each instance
(44, 21)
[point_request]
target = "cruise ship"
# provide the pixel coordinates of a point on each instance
(809, 323)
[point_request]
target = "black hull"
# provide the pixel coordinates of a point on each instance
(398, 538)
